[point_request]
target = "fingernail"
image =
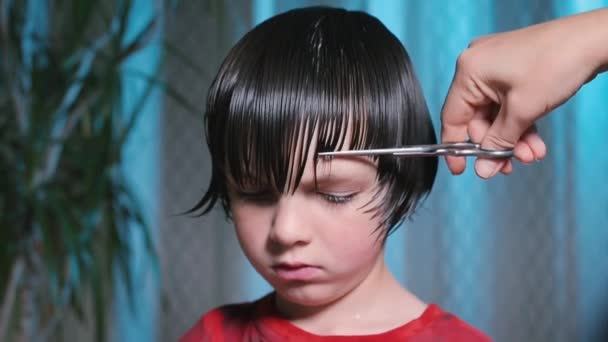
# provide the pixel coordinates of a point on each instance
(487, 168)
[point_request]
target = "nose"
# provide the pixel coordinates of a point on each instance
(289, 224)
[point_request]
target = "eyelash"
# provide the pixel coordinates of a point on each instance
(265, 198)
(333, 199)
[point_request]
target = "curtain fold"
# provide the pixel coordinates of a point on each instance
(141, 168)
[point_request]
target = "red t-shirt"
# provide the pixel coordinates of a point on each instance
(259, 321)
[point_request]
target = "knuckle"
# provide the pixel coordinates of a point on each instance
(468, 62)
(463, 62)
(498, 142)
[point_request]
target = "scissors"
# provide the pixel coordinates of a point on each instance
(460, 149)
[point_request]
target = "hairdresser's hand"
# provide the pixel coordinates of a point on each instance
(505, 82)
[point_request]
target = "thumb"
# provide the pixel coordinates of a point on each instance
(503, 134)
(456, 114)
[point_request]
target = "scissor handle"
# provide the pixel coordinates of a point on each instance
(462, 149)
(483, 153)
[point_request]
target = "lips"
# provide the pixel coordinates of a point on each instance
(296, 271)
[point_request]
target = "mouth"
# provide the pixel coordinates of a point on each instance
(296, 271)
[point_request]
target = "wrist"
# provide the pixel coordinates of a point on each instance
(596, 31)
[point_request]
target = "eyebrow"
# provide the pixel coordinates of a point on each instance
(326, 163)
(327, 170)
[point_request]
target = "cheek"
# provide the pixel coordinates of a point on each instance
(352, 237)
(251, 225)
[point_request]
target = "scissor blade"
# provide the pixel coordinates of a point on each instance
(413, 150)
(372, 152)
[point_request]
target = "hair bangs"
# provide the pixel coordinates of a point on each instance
(314, 80)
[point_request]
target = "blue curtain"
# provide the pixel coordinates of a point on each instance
(141, 167)
(521, 257)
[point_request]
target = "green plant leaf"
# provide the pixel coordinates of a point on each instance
(167, 88)
(81, 218)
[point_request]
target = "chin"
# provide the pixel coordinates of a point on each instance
(309, 294)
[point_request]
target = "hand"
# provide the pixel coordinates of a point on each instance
(505, 82)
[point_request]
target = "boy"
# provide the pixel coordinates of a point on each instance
(303, 82)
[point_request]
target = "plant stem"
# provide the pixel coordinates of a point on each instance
(58, 313)
(28, 311)
(10, 294)
(20, 109)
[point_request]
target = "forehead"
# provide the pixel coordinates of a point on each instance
(342, 168)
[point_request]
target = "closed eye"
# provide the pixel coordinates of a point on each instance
(336, 199)
(268, 197)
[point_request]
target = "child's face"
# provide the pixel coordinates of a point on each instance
(317, 244)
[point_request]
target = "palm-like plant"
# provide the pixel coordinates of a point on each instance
(65, 207)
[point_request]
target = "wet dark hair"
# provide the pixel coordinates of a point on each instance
(322, 70)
